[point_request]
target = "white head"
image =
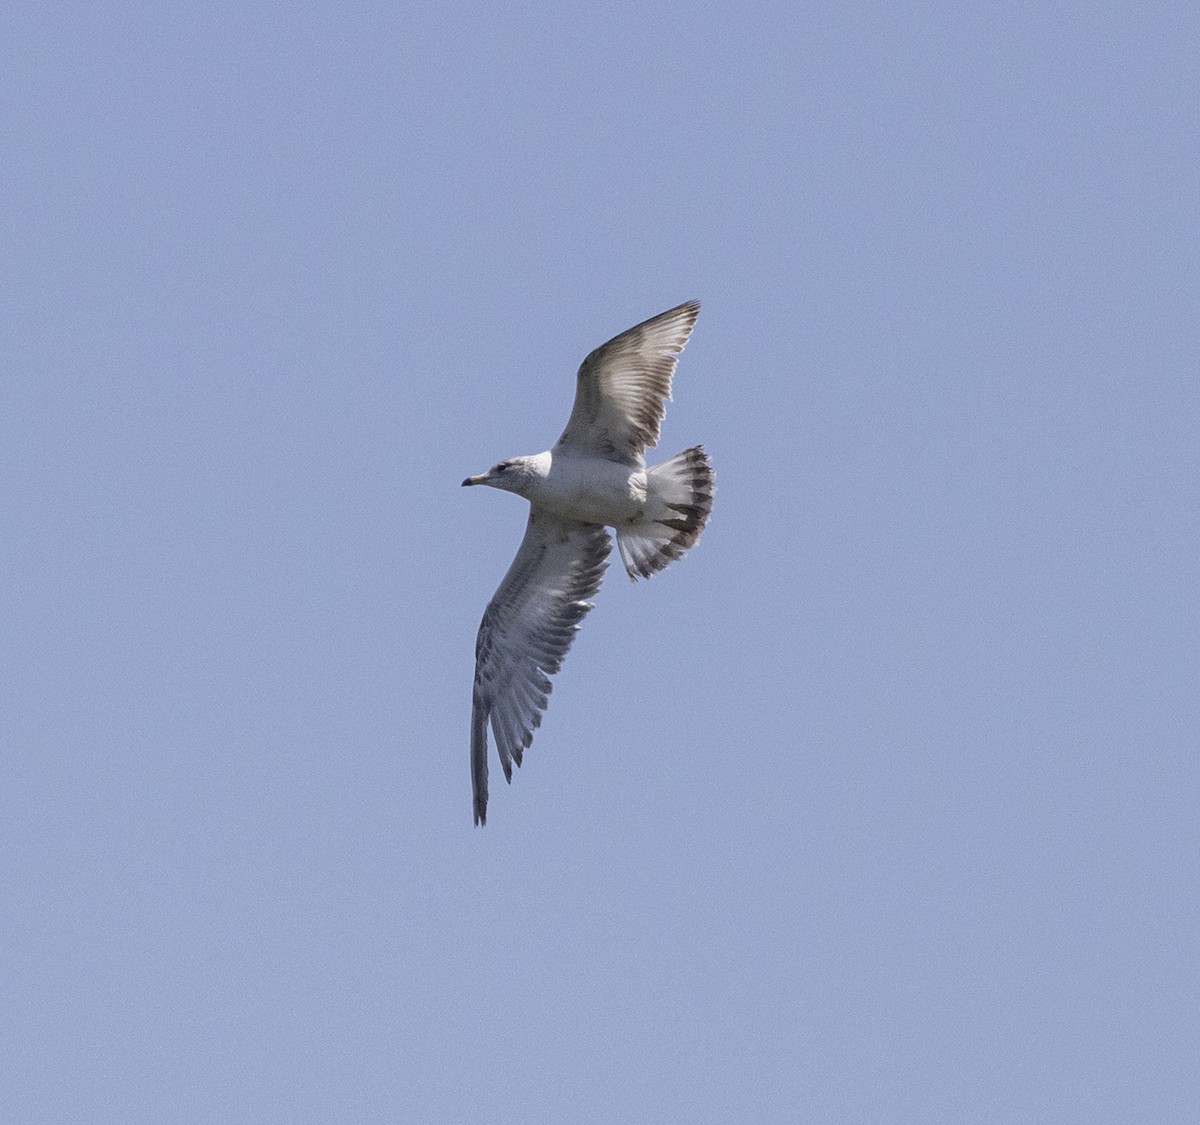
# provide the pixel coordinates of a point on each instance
(513, 474)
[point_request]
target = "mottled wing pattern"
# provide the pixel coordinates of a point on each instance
(623, 385)
(526, 631)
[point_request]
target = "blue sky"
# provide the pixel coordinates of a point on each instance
(879, 807)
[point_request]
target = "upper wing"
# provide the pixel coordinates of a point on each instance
(526, 631)
(622, 384)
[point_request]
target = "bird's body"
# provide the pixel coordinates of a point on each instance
(582, 486)
(594, 477)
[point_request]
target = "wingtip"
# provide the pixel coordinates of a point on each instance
(689, 309)
(687, 314)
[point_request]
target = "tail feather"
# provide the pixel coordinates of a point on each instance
(679, 499)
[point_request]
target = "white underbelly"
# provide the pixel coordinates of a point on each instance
(595, 490)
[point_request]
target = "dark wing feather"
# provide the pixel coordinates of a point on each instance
(526, 631)
(623, 385)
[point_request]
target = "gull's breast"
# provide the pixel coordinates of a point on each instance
(594, 490)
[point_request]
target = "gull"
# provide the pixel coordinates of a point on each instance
(595, 477)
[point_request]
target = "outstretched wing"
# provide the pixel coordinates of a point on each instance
(526, 631)
(619, 399)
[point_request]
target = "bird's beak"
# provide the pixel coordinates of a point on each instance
(482, 479)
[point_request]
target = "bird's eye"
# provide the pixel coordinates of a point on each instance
(502, 468)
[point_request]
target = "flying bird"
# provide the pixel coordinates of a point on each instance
(595, 477)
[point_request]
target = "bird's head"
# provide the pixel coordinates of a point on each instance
(515, 474)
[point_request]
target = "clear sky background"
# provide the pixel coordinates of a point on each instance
(881, 806)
